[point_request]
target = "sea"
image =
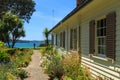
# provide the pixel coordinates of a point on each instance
(27, 44)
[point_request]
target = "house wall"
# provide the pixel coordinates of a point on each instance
(97, 65)
(94, 10)
(118, 35)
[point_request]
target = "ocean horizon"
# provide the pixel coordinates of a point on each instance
(27, 44)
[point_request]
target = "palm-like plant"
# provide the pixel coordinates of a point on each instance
(46, 34)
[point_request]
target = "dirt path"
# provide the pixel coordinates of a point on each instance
(34, 69)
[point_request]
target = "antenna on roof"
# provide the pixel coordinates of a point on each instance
(53, 16)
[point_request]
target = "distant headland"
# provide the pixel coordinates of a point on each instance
(27, 41)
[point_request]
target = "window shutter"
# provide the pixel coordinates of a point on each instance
(92, 37)
(64, 39)
(52, 39)
(60, 39)
(75, 39)
(110, 35)
(56, 39)
(79, 38)
(71, 38)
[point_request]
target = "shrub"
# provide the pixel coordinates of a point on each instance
(73, 69)
(42, 50)
(10, 76)
(19, 58)
(23, 58)
(5, 72)
(4, 57)
(11, 51)
(19, 73)
(55, 67)
(56, 79)
(22, 49)
(67, 67)
(67, 78)
(1, 44)
(22, 74)
(47, 51)
(42, 45)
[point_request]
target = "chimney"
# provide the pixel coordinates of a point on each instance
(78, 2)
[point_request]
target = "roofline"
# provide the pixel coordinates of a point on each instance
(71, 13)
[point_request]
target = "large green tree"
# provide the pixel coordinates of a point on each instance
(11, 29)
(46, 34)
(23, 8)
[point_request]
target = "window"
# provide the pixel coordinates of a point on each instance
(52, 39)
(101, 36)
(102, 39)
(62, 39)
(73, 39)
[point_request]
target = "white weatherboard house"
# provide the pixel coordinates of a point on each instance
(93, 27)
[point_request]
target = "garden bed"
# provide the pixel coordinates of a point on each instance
(63, 66)
(12, 61)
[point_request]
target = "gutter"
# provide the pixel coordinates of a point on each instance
(71, 13)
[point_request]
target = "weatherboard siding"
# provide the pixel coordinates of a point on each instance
(85, 38)
(94, 14)
(118, 36)
(97, 69)
(94, 10)
(108, 68)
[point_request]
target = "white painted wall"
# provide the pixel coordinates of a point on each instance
(92, 14)
(88, 13)
(109, 69)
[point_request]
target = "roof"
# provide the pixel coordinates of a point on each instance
(71, 13)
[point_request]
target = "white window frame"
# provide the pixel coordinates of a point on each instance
(98, 37)
(74, 39)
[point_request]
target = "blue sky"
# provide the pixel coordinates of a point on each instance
(48, 14)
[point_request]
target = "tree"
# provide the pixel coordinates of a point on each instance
(46, 34)
(23, 8)
(11, 28)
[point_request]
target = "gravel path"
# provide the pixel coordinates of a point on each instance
(34, 70)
